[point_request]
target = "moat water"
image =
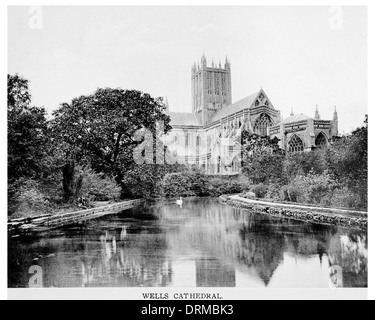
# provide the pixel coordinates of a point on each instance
(202, 244)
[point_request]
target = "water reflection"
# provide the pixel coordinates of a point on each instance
(202, 244)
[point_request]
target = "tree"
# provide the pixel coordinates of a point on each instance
(27, 132)
(100, 129)
(348, 159)
(303, 163)
(144, 180)
(262, 158)
(19, 96)
(254, 145)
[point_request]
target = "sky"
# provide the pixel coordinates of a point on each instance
(301, 56)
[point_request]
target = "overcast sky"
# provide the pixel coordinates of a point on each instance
(301, 56)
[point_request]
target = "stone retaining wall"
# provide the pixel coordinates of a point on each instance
(300, 214)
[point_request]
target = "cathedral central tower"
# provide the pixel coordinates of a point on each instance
(211, 89)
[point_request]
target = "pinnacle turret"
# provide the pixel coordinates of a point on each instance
(317, 114)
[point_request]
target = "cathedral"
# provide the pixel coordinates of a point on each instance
(209, 136)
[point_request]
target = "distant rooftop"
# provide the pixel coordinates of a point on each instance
(296, 118)
(183, 119)
(235, 107)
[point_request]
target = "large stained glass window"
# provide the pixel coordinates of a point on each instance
(321, 141)
(296, 144)
(262, 125)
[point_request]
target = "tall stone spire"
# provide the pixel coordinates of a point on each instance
(227, 64)
(335, 115)
(194, 68)
(317, 114)
(292, 113)
(335, 124)
(203, 61)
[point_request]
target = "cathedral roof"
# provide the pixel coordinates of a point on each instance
(296, 118)
(183, 119)
(235, 107)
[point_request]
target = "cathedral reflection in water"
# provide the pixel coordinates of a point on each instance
(204, 244)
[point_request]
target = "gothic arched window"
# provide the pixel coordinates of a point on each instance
(321, 141)
(236, 165)
(296, 144)
(262, 125)
(188, 140)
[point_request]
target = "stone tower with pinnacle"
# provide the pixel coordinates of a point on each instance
(211, 88)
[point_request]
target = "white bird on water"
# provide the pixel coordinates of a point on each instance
(180, 202)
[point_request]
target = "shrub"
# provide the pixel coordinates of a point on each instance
(177, 185)
(297, 164)
(344, 198)
(96, 186)
(218, 187)
(274, 191)
(264, 168)
(260, 190)
(348, 159)
(249, 195)
(193, 182)
(243, 181)
(27, 198)
(197, 181)
(143, 181)
(30, 194)
(312, 188)
(292, 193)
(222, 186)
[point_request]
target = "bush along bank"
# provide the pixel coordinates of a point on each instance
(193, 182)
(306, 214)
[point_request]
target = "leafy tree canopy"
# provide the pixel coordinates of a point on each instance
(261, 158)
(27, 132)
(19, 96)
(348, 159)
(100, 128)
